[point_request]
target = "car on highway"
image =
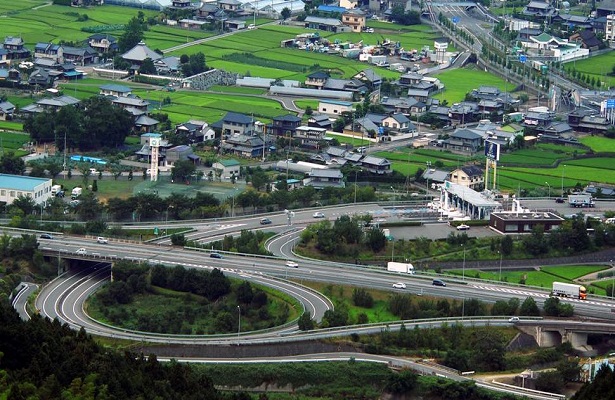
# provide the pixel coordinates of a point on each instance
(438, 282)
(318, 214)
(292, 264)
(463, 227)
(82, 251)
(215, 255)
(559, 200)
(399, 285)
(265, 221)
(102, 240)
(46, 236)
(512, 320)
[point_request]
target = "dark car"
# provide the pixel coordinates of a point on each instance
(438, 282)
(46, 236)
(559, 200)
(215, 255)
(265, 221)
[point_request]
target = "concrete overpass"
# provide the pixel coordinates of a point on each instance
(550, 333)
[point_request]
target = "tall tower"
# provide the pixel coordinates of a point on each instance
(154, 145)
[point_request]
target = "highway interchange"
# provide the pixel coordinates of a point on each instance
(64, 298)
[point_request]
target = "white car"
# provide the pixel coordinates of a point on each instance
(102, 240)
(463, 227)
(81, 251)
(292, 264)
(93, 171)
(399, 285)
(513, 319)
(318, 214)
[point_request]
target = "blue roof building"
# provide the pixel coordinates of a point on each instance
(14, 186)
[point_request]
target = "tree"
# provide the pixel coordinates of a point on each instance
(506, 246)
(147, 67)
(339, 124)
(182, 170)
(401, 383)
(26, 204)
(529, 307)
(106, 124)
(305, 322)
(133, 34)
(12, 164)
(285, 13)
(551, 307)
(489, 348)
(550, 381)
(375, 239)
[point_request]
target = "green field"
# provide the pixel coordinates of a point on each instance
(459, 82)
(598, 67)
(543, 278)
(599, 143)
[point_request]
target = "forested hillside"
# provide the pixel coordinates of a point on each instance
(40, 359)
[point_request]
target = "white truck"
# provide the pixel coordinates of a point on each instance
(581, 200)
(55, 189)
(569, 290)
(76, 192)
(406, 268)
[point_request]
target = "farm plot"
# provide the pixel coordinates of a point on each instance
(459, 82)
(598, 67)
(532, 178)
(571, 272)
(599, 143)
(531, 157)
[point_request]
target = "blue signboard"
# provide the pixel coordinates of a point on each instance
(522, 58)
(610, 103)
(380, 130)
(455, 20)
(492, 150)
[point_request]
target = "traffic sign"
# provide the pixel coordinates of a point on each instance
(610, 103)
(522, 58)
(455, 20)
(156, 231)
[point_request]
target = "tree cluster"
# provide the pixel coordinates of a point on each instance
(602, 387)
(345, 237)
(93, 125)
(47, 360)
(248, 242)
(193, 64)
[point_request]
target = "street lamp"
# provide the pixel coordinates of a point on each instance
(500, 265)
(427, 175)
(549, 189)
(463, 266)
(563, 170)
(613, 284)
(166, 221)
(239, 320)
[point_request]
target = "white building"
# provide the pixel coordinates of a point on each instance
(14, 186)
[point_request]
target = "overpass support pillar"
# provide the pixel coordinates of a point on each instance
(548, 338)
(578, 340)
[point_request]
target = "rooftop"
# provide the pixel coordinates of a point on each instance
(19, 182)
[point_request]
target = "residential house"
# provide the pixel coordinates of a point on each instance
(435, 175)
(322, 178)
(368, 126)
(609, 28)
(582, 120)
(284, 125)
(336, 151)
(462, 113)
(234, 24)
(227, 168)
(14, 48)
(576, 21)
(181, 153)
(50, 104)
(369, 78)
(235, 124)
(335, 108)
(244, 145)
(134, 105)
(188, 23)
(195, 131)
(355, 19)
(103, 43)
(316, 80)
(398, 105)
(115, 90)
(354, 86)
(230, 6)
(42, 77)
(167, 65)
(418, 94)
(398, 123)
(143, 123)
(6, 110)
(441, 112)
(78, 56)
(49, 51)
(410, 79)
(469, 176)
(291, 184)
(463, 140)
(310, 136)
(538, 119)
(587, 38)
(210, 11)
(320, 121)
(376, 165)
(539, 10)
(325, 24)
